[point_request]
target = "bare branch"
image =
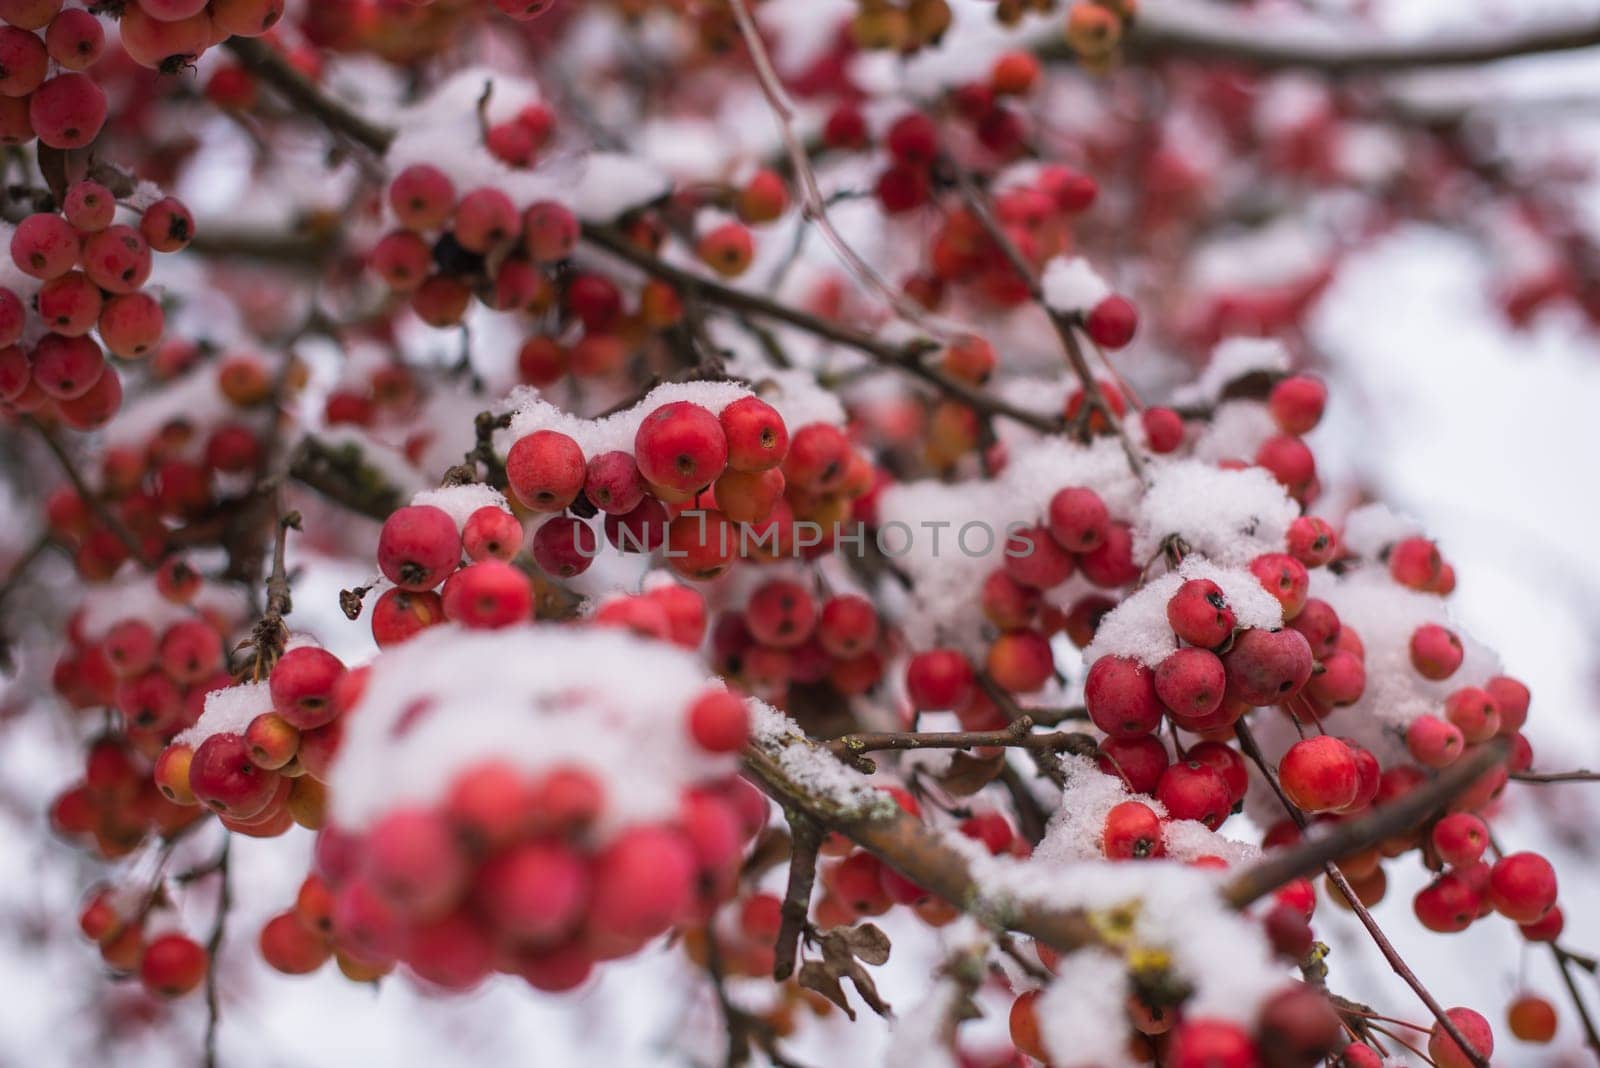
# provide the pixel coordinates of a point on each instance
(1213, 31)
(260, 59)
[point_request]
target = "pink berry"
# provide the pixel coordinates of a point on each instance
(1296, 403)
(422, 197)
(719, 722)
(564, 547)
(1163, 429)
(643, 883)
(1432, 742)
(1447, 1052)
(1266, 667)
(613, 484)
(1190, 682)
(44, 246)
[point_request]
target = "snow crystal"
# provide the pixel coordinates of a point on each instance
(1071, 285)
(1191, 839)
(820, 773)
(1236, 431)
(228, 711)
(1372, 527)
(1138, 627)
(1229, 516)
(1082, 1015)
(535, 697)
(1233, 359)
(459, 502)
(1078, 825)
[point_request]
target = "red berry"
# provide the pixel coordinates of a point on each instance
(1138, 761)
(1111, 563)
(68, 111)
(1296, 403)
(1121, 697)
(819, 458)
(491, 533)
(643, 883)
(488, 594)
(1532, 1019)
(939, 679)
(224, 778)
(1132, 832)
(1319, 774)
(1312, 541)
(1448, 904)
(1446, 1052)
(1112, 322)
(1432, 742)
(1522, 887)
(681, 446)
(564, 547)
(1206, 1043)
(1078, 519)
(1435, 651)
(172, 965)
(418, 547)
(535, 891)
(1198, 613)
(756, 435)
(1266, 667)
(719, 722)
(1195, 791)
(550, 231)
(422, 197)
(302, 685)
(546, 470)
(1460, 839)
(1190, 682)
(1163, 429)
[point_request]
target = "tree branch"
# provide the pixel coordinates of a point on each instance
(1313, 854)
(1213, 31)
(262, 60)
(105, 515)
(1581, 775)
(903, 843)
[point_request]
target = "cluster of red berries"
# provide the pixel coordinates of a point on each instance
(92, 271)
(168, 964)
(704, 487)
(510, 873)
(170, 35)
(783, 636)
(264, 770)
(65, 108)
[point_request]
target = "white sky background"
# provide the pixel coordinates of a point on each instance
(1488, 435)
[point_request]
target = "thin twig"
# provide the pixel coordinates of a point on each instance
(907, 358)
(1064, 324)
(1016, 736)
(805, 839)
(213, 949)
(104, 514)
(1581, 775)
(1563, 962)
(266, 63)
(813, 204)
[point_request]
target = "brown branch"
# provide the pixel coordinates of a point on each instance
(262, 60)
(805, 839)
(107, 518)
(1016, 736)
(22, 564)
(1313, 854)
(1247, 742)
(903, 843)
(1213, 31)
(1564, 960)
(213, 949)
(907, 358)
(1581, 775)
(340, 473)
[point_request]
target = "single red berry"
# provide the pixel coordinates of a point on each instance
(418, 547)
(1319, 774)
(1447, 1053)
(545, 470)
(1522, 887)
(1112, 322)
(1296, 403)
(1132, 832)
(1121, 697)
(1435, 651)
(1199, 614)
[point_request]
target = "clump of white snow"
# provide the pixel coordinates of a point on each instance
(1138, 627)
(1229, 516)
(228, 711)
(459, 502)
(1071, 285)
(536, 697)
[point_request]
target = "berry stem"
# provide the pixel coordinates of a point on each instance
(213, 949)
(107, 518)
(1247, 742)
(805, 838)
(1564, 962)
(812, 203)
